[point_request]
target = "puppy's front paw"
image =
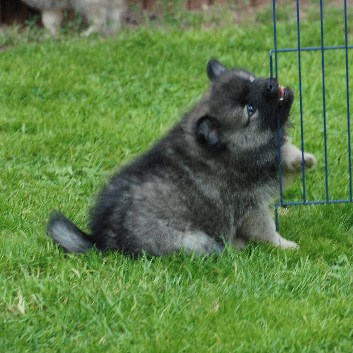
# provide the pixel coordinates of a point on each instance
(294, 164)
(288, 244)
(309, 161)
(283, 243)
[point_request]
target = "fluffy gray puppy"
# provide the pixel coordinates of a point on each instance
(208, 181)
(102, 15)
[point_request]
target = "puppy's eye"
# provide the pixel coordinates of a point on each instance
(251, 110)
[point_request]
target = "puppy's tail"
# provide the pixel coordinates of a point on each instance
(67, 235)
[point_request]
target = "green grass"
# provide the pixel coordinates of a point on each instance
(72, 111)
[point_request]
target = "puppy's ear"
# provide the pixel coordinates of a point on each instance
(215, 69)
(207, 131)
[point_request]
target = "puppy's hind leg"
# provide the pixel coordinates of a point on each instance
(260, 227)
(52, 20)
(97, 18)
(114, 18)
(200, 243)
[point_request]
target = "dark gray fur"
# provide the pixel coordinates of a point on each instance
(208, 181)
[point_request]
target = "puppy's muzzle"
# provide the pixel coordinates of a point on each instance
(275, 90)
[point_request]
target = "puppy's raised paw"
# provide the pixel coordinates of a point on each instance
(293, 160)
(309, 161)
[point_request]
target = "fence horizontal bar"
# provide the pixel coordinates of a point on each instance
(291, 50)
(300, 203)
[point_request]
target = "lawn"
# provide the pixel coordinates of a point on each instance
(73, 110)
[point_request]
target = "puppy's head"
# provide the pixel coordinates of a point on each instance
(242, 112)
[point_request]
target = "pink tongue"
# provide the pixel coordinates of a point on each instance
(281, 91)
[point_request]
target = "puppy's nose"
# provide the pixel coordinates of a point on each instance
(271, 85)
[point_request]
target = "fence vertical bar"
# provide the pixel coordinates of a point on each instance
(324, 96)
(274, 36)
(276, 216)
(278, 118)
(348, 102)
(301, 100)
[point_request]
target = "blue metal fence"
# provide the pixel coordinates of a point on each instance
(298, 50)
